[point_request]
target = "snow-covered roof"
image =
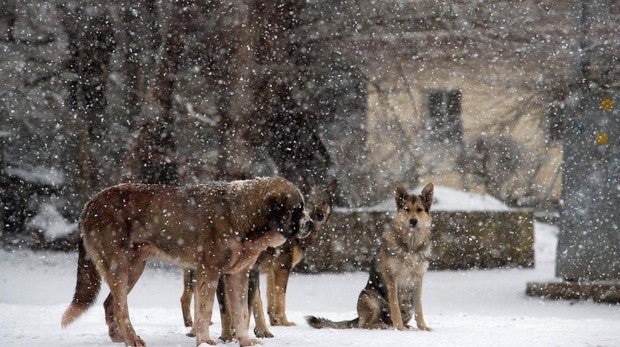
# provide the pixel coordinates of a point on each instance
(38, 175)
(449, 199)
(51, 223)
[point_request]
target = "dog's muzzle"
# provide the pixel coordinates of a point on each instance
(306, 226)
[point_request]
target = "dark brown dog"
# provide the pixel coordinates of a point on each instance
(215, 229)
(393, 293)
(277, 263)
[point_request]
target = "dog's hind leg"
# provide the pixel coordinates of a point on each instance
(186, 297)
(370, 306)
(118, 280)
(113, 332)
(135, 268)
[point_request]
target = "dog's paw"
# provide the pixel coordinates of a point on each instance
(226, 338)
(206, 342)
(114, 333)
(263, 333)
(136, 341)
(280, 321)
(249, 342)
(424, 328)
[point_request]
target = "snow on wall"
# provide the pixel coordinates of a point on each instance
(449, 199)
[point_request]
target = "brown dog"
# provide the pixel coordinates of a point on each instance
(277, 263)
(217, 228)
(393, 293)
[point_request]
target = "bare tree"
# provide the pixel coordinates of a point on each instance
(155, 145)
(90, 45)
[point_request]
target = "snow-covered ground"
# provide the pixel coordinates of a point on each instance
(465, 308)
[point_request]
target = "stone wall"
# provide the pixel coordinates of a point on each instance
(461, 240)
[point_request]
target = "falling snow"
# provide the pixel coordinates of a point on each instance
(503, 105)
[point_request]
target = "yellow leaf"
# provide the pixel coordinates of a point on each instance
(607, 103)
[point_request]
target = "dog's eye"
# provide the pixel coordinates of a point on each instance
(420, 209)
(406, 209)
(320, 216)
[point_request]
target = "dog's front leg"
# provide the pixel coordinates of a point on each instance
(236, 285)
(277, 281)
(206, 283)
(397, 319)
(256, 304)
(417, 305)
(277, 314)
(227, 330)
(260, 329)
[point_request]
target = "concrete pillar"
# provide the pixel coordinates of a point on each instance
(589, 239)
(588, 253)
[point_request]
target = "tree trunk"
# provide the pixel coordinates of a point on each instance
(140, 31)
(91, 45)
(155, 147)
(236, 160)
(291, 132)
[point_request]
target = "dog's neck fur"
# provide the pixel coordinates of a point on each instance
(396, 244)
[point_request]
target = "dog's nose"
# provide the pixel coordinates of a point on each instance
(309, 225)
(413, 222)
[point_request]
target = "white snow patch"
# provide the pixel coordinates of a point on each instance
(50, 222)
(38, 174)
(447, 199)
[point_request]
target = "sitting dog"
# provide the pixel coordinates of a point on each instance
(215, 229)
(393, 293)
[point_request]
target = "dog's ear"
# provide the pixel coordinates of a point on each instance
(275, 206)
(331, 190)
(275, 203)
(400, 195)
(427, 196)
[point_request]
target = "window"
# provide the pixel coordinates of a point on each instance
(444, 115)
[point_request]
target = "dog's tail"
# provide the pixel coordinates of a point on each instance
(86, 288)
(318, 322)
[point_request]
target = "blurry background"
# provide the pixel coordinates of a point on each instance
(468, 94)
